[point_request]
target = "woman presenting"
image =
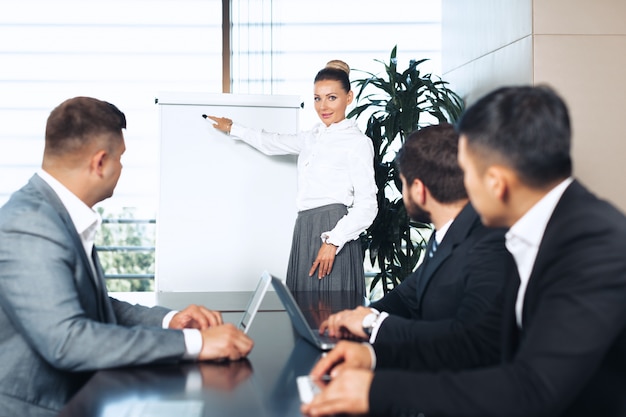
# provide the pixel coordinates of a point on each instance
(336, 197)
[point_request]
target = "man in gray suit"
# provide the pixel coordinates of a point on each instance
(57, 322)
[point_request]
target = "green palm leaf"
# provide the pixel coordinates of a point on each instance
(395, 104)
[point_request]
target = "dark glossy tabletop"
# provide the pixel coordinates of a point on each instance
(264, 384)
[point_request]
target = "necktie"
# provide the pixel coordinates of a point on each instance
(433, 247)
(423, 275)
(96, 268)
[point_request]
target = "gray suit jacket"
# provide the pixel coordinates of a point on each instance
(56, 320)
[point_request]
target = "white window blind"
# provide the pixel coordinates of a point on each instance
(122, 51)
(279, 45)
(127, 51)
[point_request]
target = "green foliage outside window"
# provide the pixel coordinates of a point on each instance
(126, 249)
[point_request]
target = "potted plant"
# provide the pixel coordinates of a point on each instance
(396, 104)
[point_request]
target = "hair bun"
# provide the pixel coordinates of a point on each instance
(338, 64)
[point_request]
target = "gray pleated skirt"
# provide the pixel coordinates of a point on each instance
(347, 273)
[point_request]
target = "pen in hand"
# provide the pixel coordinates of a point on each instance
(222, 124)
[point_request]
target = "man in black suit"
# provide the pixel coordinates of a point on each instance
(457, 282)
(564, 323)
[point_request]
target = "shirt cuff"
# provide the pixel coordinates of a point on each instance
(372, 354)
(235, 131)
(193, 343)
(327, 238)
(379, 321)
(168, 319)
(193, 337)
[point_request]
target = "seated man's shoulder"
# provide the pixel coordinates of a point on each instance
(485, 237)
(581, 212)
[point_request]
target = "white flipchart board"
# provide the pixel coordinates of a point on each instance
(226, 211)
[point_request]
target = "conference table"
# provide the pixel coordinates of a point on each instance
(263, 384)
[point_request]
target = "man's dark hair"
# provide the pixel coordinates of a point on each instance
(525, 128)
(430, 155)
(75, 121)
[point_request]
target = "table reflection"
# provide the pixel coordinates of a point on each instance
(263, 385)
(180, 390)
(317, 306)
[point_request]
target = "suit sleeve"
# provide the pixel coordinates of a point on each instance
(137, 315)
(471, 346)
(483, 273)
(47, 293)
(400, 300)
(573, 314)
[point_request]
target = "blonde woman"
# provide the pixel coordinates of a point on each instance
(336, 198)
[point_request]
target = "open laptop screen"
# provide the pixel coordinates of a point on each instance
(255, 302)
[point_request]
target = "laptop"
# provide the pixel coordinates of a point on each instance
(298, 320)
(255, 302)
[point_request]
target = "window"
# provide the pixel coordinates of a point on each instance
(122, 51)
(127, 51)
(279, 45)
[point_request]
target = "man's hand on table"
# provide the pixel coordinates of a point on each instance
(196, 317)
(346, 323)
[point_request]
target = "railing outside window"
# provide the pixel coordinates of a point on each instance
(126, 247)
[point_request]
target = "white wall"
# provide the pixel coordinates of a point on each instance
(576, 46)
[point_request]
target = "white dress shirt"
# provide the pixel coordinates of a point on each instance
(335, 165)
(86, 221)
(524, 237)
(441, 233)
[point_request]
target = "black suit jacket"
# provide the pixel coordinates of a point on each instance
(451, 290)
(569, 359)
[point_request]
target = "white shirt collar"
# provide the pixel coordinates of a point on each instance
(342, 125)
(85, 219)
(524, 237)
(441, 232)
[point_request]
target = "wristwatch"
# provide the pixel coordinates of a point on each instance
(368, 322)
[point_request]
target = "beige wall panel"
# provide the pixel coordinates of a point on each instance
(472, 29)
(511, 65)
(579, 17)
(588, 71)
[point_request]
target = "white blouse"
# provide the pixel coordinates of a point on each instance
(335, 165)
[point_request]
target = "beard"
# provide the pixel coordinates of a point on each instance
(416, 213)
